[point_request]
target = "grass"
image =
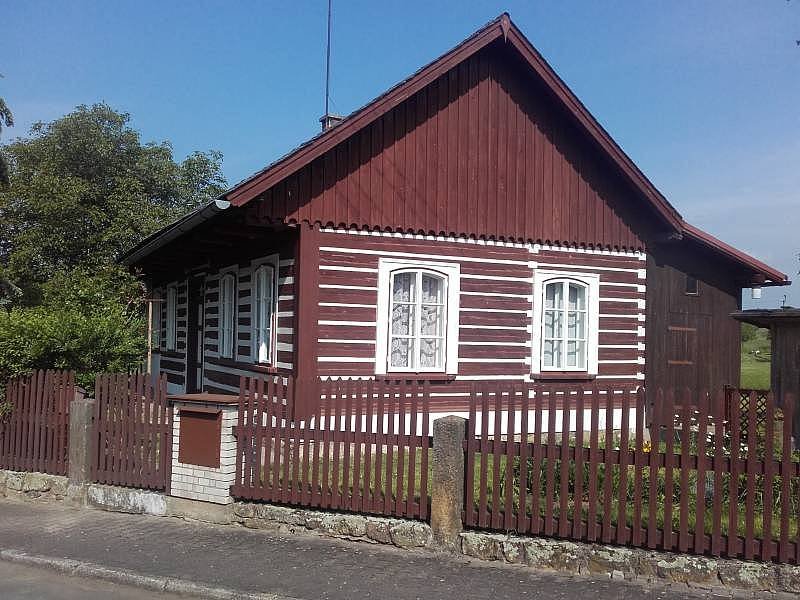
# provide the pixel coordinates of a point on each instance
(756, 355)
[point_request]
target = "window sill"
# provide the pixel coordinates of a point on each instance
(563, 376)
(424, 376)
(248, 366)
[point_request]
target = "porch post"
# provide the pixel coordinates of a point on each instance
(306, 293)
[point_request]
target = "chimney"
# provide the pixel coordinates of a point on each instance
(330, 120)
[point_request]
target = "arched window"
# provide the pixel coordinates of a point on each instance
(565, 326)
(227, 315)
(264, 313)
(417, 323)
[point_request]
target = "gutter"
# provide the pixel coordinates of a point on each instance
(164, 236)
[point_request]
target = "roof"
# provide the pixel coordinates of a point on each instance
(771, 276)
(499, 28)
(766, 317)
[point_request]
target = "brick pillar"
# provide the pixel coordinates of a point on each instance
(198, 430)
(447, 485)
(81, 440)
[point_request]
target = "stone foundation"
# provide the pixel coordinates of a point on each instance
(375, 530)
(631, 563)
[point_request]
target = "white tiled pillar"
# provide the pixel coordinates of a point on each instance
(201, 482)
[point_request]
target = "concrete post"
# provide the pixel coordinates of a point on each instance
(81, 446)
(447, 485)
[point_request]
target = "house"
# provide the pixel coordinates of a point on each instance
(474, 222)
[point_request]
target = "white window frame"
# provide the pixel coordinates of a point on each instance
(229, 314)
(451, 272)
(273, 262)
(172, 317)
(592, 283)
(156, 302)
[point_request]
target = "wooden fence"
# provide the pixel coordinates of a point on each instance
(133, 431)
(34, 422)
(364, 447)
(675, 473)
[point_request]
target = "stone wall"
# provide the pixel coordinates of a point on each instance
(15, 484)
(631, 563)
(376, 530)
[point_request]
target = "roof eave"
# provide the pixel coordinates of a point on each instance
(771, 277)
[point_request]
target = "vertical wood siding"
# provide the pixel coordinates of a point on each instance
(692, 340)
(480, 152)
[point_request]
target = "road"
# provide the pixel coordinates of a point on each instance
(19, 582)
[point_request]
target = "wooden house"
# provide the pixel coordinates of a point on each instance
(474, 222)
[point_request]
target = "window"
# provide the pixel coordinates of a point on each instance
(417, 326)
(155, 320)
(227, 315)
(566, 308)
(564, 326)
(171, 317)
(264, 312)
(692, 286)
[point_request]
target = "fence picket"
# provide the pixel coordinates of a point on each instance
(752, 437)
(622, 492)
(769, 471)
(591, 520)
(685, 438)
(563, 493)
(637, 531)
(786, 478)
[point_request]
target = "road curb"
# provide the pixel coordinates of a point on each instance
(172, 585)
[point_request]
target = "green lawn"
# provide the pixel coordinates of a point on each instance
(755, 358)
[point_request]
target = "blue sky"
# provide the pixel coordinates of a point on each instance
(703, 96)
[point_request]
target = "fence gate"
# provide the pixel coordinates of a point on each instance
(35, 426)
(133, 431)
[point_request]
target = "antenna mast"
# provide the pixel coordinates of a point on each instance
(328, 63)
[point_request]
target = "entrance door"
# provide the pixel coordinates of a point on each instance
(194, 340)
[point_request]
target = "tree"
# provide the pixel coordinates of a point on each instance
(82, 190)
(6, 120)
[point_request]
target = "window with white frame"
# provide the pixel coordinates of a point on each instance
(417, 325)
(566, 317)
(227, 315)
(264, 284)
(172, 307)
(155, 320)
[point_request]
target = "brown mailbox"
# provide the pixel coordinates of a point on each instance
(200, 435)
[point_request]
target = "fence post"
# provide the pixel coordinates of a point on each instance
(81, 447)
(447, 483)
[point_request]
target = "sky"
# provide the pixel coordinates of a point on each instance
(703, 96)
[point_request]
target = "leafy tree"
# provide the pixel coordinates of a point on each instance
(6, 120)
(82, 190)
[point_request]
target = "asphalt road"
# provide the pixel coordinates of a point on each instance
(19, 582)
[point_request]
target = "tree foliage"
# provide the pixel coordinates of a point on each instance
(82, 190)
